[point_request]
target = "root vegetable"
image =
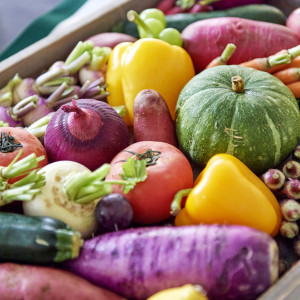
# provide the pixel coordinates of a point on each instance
(152, 118)
(229, 262)
(290, 209)
(291, 169)
(274, 179)
(204, 40)
(39, 282)
(89, 132)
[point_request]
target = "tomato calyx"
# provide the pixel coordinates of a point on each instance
(8, 143)
(150, 156)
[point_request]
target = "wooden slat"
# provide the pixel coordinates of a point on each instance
(287, 288)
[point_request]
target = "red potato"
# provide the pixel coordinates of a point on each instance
(206, 39)
(26, 282)
(110, 39)
(152, 118)
(293, 21)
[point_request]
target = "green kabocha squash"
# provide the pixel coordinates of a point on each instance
(241, 111)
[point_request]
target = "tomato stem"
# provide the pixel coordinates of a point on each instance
(150, 156)
(8, 143)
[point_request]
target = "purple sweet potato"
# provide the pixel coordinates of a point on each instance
(152, 118)
(206, 39)
(229, 262)
(26, 282)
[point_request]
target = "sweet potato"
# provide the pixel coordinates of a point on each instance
(26, 282)
(293, 21)
(152, 118)
(204, 40)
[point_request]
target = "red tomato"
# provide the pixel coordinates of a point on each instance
(151, 199)
(29, 144)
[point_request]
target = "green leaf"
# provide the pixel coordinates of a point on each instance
(134, 171)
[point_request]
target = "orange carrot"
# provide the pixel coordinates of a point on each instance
(295, 88)
(275, 62)
(288, 75)
(295, 63)
(224, 57)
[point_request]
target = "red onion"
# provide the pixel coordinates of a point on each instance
(24, 90)
(86, 131)
(6, 117)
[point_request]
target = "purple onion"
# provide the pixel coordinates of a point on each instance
(86, 131)
(40, 111)
(87, 73)
(6, 117)
(24, 90)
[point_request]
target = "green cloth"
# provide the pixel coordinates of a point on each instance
(42, 26)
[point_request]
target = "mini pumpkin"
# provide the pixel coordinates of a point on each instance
(237, 110)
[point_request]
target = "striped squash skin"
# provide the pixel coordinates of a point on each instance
(260, 126)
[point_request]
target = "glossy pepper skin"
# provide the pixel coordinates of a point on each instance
(227, 191)
(185, 292)
(147, 64)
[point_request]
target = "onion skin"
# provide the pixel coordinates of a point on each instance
(90, 139)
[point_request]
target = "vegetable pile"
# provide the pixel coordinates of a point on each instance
(158, 160)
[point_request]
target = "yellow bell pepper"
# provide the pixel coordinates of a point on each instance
(227, 191)
(185, 292)
(147, 64)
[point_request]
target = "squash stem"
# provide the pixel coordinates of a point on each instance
(176, 203)
(238, 84)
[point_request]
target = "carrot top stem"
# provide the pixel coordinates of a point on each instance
(228, 51)
(294, 52)
(275, 60)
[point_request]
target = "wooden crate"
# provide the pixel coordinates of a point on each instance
(39, 56)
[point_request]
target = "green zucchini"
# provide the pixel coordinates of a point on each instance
(257, 12)
(36, 240)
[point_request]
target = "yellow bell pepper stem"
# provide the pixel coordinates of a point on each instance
(227, 191)
(176, 203)
(147, 64)
(133, 16)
